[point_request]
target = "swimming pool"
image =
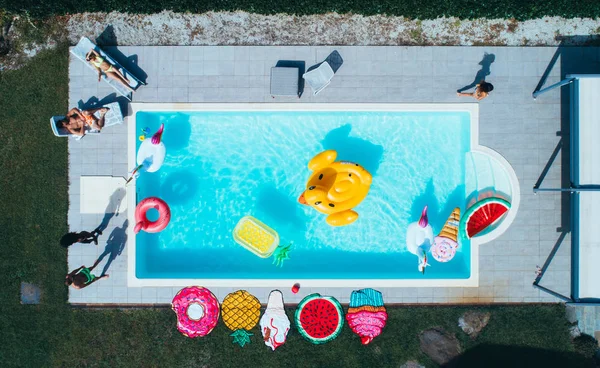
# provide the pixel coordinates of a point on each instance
(226, 161)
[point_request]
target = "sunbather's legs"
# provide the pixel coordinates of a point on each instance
(103, 110)
(118, 72)
(119, 77)
(99, 124)
(100, 121)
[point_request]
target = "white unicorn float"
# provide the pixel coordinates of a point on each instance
(151, 154)
(419, 238)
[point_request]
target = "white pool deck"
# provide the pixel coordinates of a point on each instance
(511, 122)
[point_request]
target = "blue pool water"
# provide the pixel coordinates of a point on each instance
(221, 166)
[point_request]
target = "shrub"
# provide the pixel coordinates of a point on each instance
(416, 9)
(586, 345)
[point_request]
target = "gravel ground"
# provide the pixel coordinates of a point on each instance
(241, 28)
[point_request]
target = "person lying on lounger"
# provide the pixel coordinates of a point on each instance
(103, 66)
(77, 120)
(82, 277)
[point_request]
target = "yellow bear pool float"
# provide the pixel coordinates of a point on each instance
(334, 188)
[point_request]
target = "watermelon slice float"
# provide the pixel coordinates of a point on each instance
(319, 318)
(483, 214)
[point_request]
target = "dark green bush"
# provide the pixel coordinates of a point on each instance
(586, 345)
(519, 9)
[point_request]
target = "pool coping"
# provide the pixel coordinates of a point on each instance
(471, 108)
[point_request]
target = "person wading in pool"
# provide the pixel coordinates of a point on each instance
(82, 277)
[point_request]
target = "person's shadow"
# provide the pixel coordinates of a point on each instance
(114, 204)
(94, 102)
(114, 246)
(485, 63)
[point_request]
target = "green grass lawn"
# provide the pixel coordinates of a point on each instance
(33, 200)
(413, 9)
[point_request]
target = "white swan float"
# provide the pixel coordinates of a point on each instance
(419, 238)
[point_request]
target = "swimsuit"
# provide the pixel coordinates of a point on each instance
(97, 62)
(88, 274)
(89, 119)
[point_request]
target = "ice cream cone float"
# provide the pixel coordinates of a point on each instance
(366, 315)
(445, 244)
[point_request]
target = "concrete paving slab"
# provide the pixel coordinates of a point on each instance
(511, 122)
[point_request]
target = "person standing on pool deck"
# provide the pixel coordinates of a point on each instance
(82, 277)
(482, 90)
(84, 237)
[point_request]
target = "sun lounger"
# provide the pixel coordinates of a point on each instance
(85, 45)
(114, 116)
(319, 78)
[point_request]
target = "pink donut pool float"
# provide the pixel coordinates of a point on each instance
(141, 218)
(197, 311)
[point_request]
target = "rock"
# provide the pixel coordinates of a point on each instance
(412, 364)
(30, 293)
(439, 345)
(4, 46)
(472, 322)
(574, 331)
(4, 42)
(571, 314)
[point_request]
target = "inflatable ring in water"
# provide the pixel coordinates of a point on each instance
(197, 311)
(334, 188)
(141, 218)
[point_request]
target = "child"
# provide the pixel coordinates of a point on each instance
(482, 90)
(84, 237)
(82, 277)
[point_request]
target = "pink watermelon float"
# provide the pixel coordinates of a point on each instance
(319, 318)
(483, 214)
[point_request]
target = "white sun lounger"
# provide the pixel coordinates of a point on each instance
(319, 78)
(85, 45)
(114, 116)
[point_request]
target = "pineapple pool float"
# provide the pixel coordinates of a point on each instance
(240, 312)
(255, 236)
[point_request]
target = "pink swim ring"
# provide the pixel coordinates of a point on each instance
(197, 311)
(141, 218)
